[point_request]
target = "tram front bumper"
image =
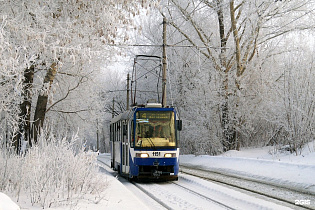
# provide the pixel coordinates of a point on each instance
(156, 168)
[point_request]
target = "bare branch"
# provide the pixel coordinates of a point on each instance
(67, 94)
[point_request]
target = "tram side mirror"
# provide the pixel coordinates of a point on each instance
(125, 130)
(179, 125)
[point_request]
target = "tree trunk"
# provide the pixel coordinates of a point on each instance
(42, 100)
(229, 134)
(239, 70)
(25, 107)
(227, 127)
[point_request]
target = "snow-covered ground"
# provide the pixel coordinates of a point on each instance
(281, 168)
(6, 203)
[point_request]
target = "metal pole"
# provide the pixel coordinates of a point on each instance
(97, 137)
(164, 65)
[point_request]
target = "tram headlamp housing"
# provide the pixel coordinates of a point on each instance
(142, 155)
(169, 155)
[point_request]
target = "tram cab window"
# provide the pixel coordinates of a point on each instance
(155, 129)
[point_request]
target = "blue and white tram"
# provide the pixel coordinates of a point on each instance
(144, 143)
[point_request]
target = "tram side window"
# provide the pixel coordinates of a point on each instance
(115, 132)
(117, 136)
(131, 136)
(121, 131)
(118, 131)
(110, 132)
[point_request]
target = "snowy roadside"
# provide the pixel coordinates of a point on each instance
(283, 168)
(295, 172)
(115, 196)
(6, 203)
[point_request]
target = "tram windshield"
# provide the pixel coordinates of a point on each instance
(155, 129)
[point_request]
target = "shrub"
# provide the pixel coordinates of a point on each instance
(52, 173)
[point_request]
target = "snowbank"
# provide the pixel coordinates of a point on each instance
(6, 203)
(296, 172)
(262, 163)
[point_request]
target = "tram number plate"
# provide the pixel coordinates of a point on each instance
(157, 173)
(156, 154)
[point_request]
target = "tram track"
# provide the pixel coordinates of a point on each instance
(146, 188)
(106, 166)
(274, 192)
(152, 196)
(174, 194)
(202, 193)
(204, 196)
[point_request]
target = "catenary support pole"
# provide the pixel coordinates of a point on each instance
(164, 65)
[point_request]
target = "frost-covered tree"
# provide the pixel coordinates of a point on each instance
(11, 77)
(59, 40)
(286, 94)
(230, 36)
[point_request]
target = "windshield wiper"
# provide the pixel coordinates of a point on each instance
(151, 142)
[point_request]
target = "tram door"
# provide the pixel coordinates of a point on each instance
(125, 148)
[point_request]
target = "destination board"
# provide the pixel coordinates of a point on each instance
(155, 115)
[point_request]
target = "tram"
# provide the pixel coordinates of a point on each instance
(144, 143)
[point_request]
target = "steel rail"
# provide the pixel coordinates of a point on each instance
(159, 201)
(205, 197)
(139, 187)
(221, 177)
(152, 196)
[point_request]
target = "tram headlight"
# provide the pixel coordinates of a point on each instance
(169, 155)
(143, 155)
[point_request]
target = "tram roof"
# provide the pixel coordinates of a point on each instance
(123, 116)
